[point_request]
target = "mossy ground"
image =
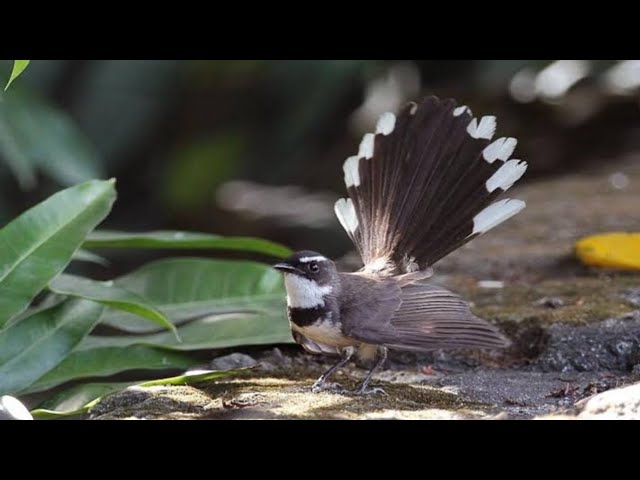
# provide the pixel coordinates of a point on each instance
(285, 396)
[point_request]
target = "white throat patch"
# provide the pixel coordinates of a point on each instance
(304, 293)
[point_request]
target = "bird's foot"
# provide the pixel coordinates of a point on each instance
(363, 390)
(327, 387)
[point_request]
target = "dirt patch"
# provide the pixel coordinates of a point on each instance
(276, 398)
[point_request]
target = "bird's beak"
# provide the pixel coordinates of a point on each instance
(286, 268)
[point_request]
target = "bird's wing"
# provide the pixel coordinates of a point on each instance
(426, 318)
(423, 185)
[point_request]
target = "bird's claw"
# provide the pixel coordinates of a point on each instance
(370, 391)
(327, 387)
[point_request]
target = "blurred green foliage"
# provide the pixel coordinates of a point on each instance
(196, 170)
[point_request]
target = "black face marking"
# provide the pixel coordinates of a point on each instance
(310, 265)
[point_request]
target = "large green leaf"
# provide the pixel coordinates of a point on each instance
(32, 347)
(215, 331)
(110, 295)
(183, 240)
(80, 399)
(35, 135)
(102, 362)
(39, 244)
(188, 288)
(18, 68)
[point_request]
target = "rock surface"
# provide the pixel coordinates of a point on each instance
(575, 331)
(233, 361)
(617, 404)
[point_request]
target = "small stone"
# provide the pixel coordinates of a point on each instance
(274, 359)
(12, 409)
(490, 284)
(232, 361)
(500, 416)
(632, 295)
(549, 302)
(619, 180)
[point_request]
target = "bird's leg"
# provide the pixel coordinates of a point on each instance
(320, 384)
(362, 389)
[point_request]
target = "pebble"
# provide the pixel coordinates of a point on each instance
(232, 361)
(549, 302)
(12, 409)
(633, 296)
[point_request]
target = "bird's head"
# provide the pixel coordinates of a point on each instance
(309, 278)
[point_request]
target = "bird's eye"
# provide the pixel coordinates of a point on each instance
(313, 266)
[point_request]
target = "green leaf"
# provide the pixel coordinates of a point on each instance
(102, 362)
(37, 344)
(188, 288)
(183, 240)
(18, 68)
(77, 400)
(35, 135)
(194, 377)
(81, 398)
(110, 295)
(215, 331)
(39, 244)
(87, 256)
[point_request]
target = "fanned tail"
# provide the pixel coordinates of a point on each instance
(425, 183)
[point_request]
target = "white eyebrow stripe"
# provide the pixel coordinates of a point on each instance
(318, 258)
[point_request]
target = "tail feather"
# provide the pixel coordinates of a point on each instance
(423, 185)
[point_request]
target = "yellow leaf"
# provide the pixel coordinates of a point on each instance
(618, 250)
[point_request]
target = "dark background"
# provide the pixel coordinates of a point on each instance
(256, 147)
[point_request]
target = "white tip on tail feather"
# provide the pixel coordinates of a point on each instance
(386, 123)
(501, 149)
(346, 213)
(485, 129)
(304, 293)
(352, 171)
(413, 109)
(506, 175)
(495, 214)
(366, 146)
(460, 110)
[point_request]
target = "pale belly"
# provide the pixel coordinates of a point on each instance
(325, 332)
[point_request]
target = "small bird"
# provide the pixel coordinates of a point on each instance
(421, 186)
